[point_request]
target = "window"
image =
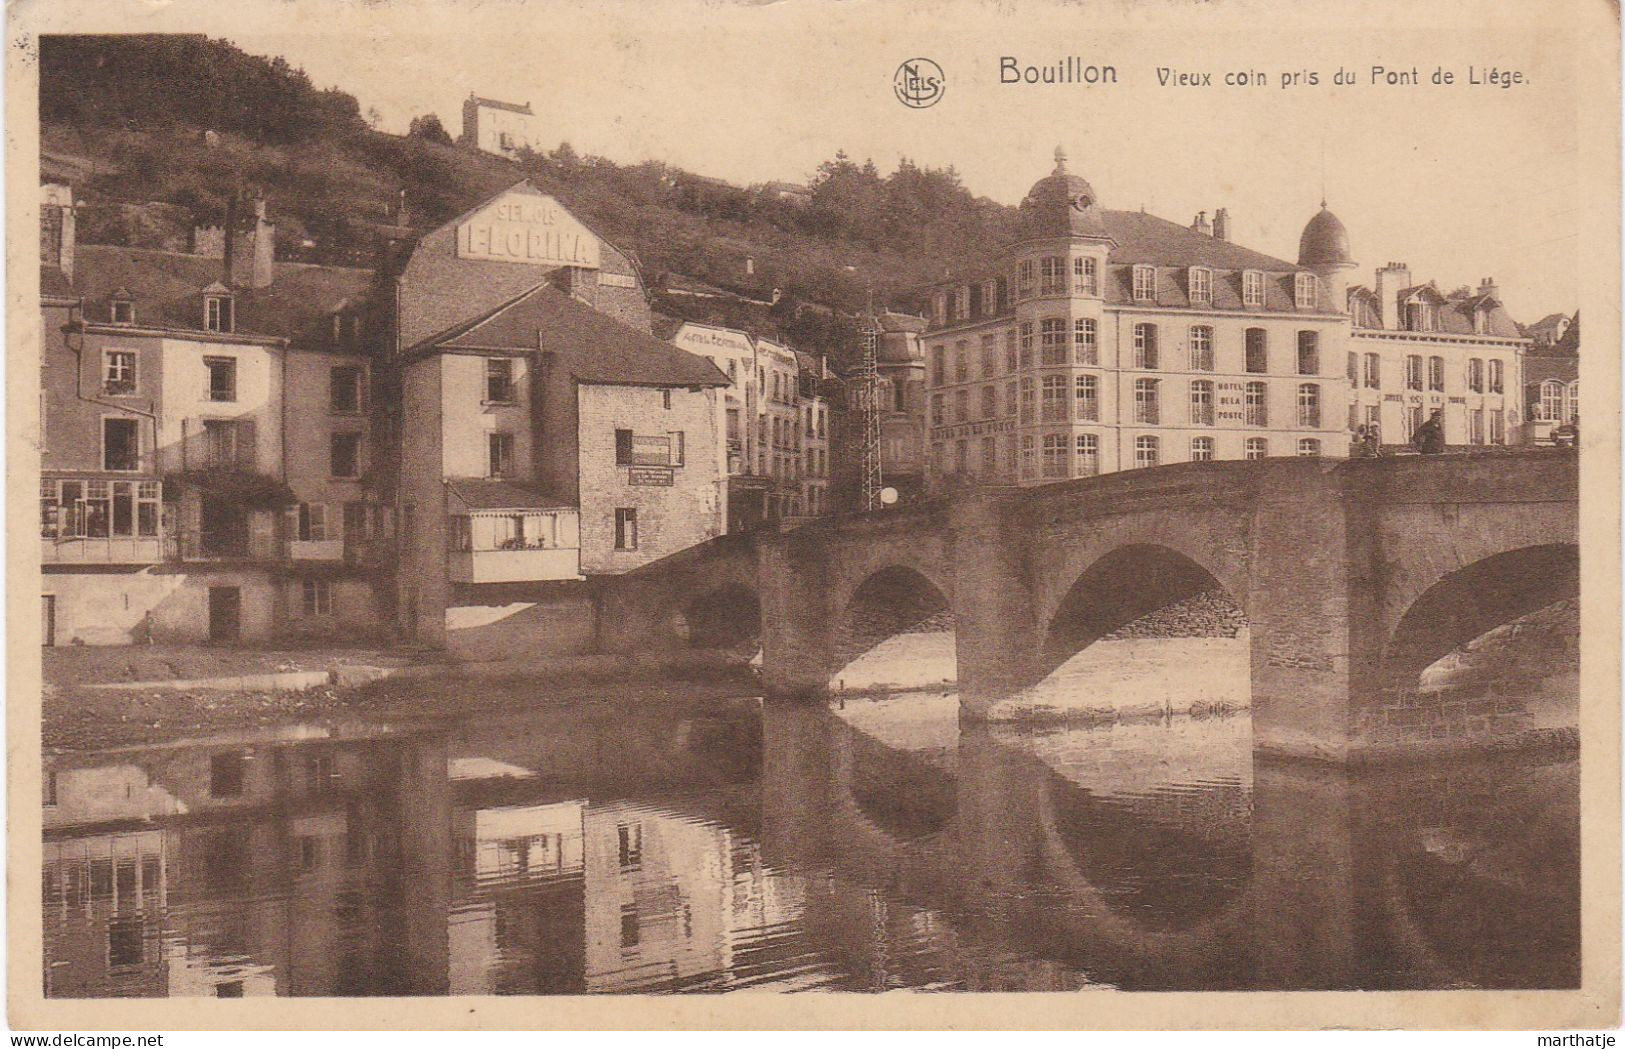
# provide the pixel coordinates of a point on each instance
(1145, 283)
(318, 597)
(1475, 426)
(1373, 416)
(311, 524)
(677, 442)
(1052, 340)
(121, 311)
(1056, 454)
(1054, 398)
(1145, 345)
(990, 298)
(1551, 400)
(1052, 276)
(939, 371)
(1257, 351)
(217, 313)
(990, 356)
(1373, 371)
(121, 445)
(222, 378)
(1088, 455)
(990, 456)
(1201, 449)
(1201, 284)
(1009, 350)
(1252, 288)
(118, 373)
(626, 528)
(1085, 277)
(1495, 377)
(1024, 279)
(962, 457)
(961, 362)
(1145, 401)
(1145, 452)
(1571, 410)
(1308, 353)
(1087, 395)
(1475, 375)
(1354, 368)
(1027, 464)
(1083, 338)
(961, 405)
(1309, 405)
(939, 308)
(937, 410)
(1255, 405)
(1308, 447)
(1254, 448)
(1420, 316)
(623, 445)
(344, 390)
(226, 774)
(1436, 373)
(126, 942)
(223, 443)
(990, 402)
(1304, 291)
(345, 454)
(1413, 420)
(499, 379)
(1498, 429)
(1201, 348)
(1413, 372)
(962, 302)
(1202, 403)
(1026, 345)
(1027, 398)
(1010, 398)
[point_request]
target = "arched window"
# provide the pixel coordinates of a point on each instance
(1309, 405)
(1373, 371)
(1201, 403)
(1308, 353)
(1436, 373)
(1475, 375)
(1145, 452)
(1056, 454)
(1088, 455)
(1255, 448)
(1083, 338)
(1413, 372)
(1054, 398)
(1308, 446)
(1052, 341)
(1088, 398)
(1027, 398)
(1551, 400)
(1201, 338)
(1496, 378)
(1201, 449)
(1145, 401)
(1258, 358)
(1052, 276)
(1256, 405)
(1145, 345)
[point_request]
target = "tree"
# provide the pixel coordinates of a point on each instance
(429, 128)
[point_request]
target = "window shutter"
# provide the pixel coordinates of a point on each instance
(246, 458)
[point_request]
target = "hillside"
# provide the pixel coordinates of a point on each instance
(153, 159)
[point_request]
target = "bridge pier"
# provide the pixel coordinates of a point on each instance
(798, 624)
(996, 638)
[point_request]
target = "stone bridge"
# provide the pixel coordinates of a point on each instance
(1354, 575)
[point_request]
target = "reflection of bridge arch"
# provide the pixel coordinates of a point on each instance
(1117, 587)
(1479, 595)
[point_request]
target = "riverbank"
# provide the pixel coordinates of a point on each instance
(93, 698)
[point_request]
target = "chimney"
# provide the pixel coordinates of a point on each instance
(1201, 224)
(229, 252)
(1487, 287)
(1391, 280)
(56, 228)
(750, 266)
(264, 259)
(1221, 224)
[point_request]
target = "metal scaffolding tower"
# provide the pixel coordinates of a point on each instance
(869, 406)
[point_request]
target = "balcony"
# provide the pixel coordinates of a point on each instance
(108, 550)
(514, 566)
(316, 549)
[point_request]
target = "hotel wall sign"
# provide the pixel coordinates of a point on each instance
(527, 228)
(649, 476)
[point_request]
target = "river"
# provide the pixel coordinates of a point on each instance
(704, 844)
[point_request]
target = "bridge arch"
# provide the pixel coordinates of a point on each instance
(726, 614)
(1116, 588)
(891, 599)
(1473, 599)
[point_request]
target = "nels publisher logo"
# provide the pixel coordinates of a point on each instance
(919, 83)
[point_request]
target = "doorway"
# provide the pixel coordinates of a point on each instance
(225, 613)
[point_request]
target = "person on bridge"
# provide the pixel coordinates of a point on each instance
(1429, 437)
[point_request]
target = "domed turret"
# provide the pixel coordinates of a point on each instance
(1062, 204)
(1325, 242)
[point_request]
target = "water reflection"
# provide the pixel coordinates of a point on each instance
(792, 847)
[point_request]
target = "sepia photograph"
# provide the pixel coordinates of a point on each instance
(542, 501)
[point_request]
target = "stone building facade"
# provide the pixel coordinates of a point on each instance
(1109, 340)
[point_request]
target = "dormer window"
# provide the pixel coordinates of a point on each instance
(1145, 283)
(1201, 284)
(121, 308)
(1420, 315)
(1252, 289)
(218, 313)
(1304, 291)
